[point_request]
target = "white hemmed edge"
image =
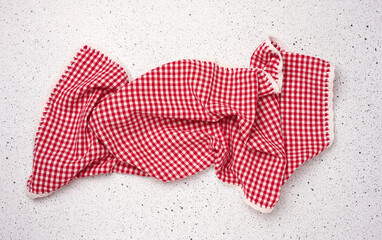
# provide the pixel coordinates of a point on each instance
(279, 42)
(34, 195)
(255, 206)
(45, 100)
(330, 103)
(277, 85)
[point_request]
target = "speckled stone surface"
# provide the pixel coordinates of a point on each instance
(336, 195)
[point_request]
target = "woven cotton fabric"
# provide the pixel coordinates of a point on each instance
(255, 125)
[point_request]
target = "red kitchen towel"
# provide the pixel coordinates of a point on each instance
(183, 117)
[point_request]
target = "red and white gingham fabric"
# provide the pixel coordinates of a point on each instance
(184, 116)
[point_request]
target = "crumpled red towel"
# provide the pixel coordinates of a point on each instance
(256, 125)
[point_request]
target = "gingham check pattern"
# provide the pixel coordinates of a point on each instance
(303, 104)
(183, 117)
(64, 146)
(304, 108)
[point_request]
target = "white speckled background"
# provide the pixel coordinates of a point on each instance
(337, 195)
